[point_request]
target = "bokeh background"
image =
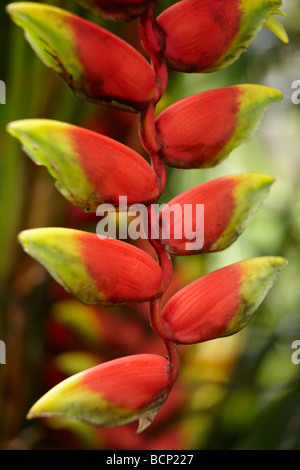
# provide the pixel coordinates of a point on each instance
(240, 392)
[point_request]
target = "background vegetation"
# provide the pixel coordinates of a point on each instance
(235, 393)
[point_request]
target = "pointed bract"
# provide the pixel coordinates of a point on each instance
(117, 9)
(200, 131)
(209, 35)
(97, 270)
(220, 303)
(90, 168)
(276, 27)
(110, 394)
(97, 65)
(229, 203)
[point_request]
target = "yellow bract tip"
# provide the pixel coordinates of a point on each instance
(276, 27)
(279, 12)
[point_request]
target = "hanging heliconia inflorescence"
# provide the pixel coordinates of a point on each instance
(90, 169)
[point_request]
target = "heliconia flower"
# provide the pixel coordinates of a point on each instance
(96, 64)
(220, 303)
(110, 394)
(96, 269)
(90, 168)
(117, 9)
(200, 131)
(209, 35)
(228, 205)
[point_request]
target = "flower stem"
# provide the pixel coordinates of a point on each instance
(163, 256)
(159, 327)
(154, 43)
(148, 137)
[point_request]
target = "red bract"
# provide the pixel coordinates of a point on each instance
(105, 168)
(116, 392)
(95, 63)
(126, 77)
(200, 131)
(220, 303)
(208, 35)
(96, 269)
(228, 204)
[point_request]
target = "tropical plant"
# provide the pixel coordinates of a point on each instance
(199, 131)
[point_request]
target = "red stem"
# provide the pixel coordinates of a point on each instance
(163, 256)
(150, 143)
(154, 43)
(159, 328)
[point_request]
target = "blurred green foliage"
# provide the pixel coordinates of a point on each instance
(256, 404)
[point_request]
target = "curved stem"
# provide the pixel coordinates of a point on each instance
(163, 256)
(174, 360)
(154, 43)
(158, 326)
(151, 145)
